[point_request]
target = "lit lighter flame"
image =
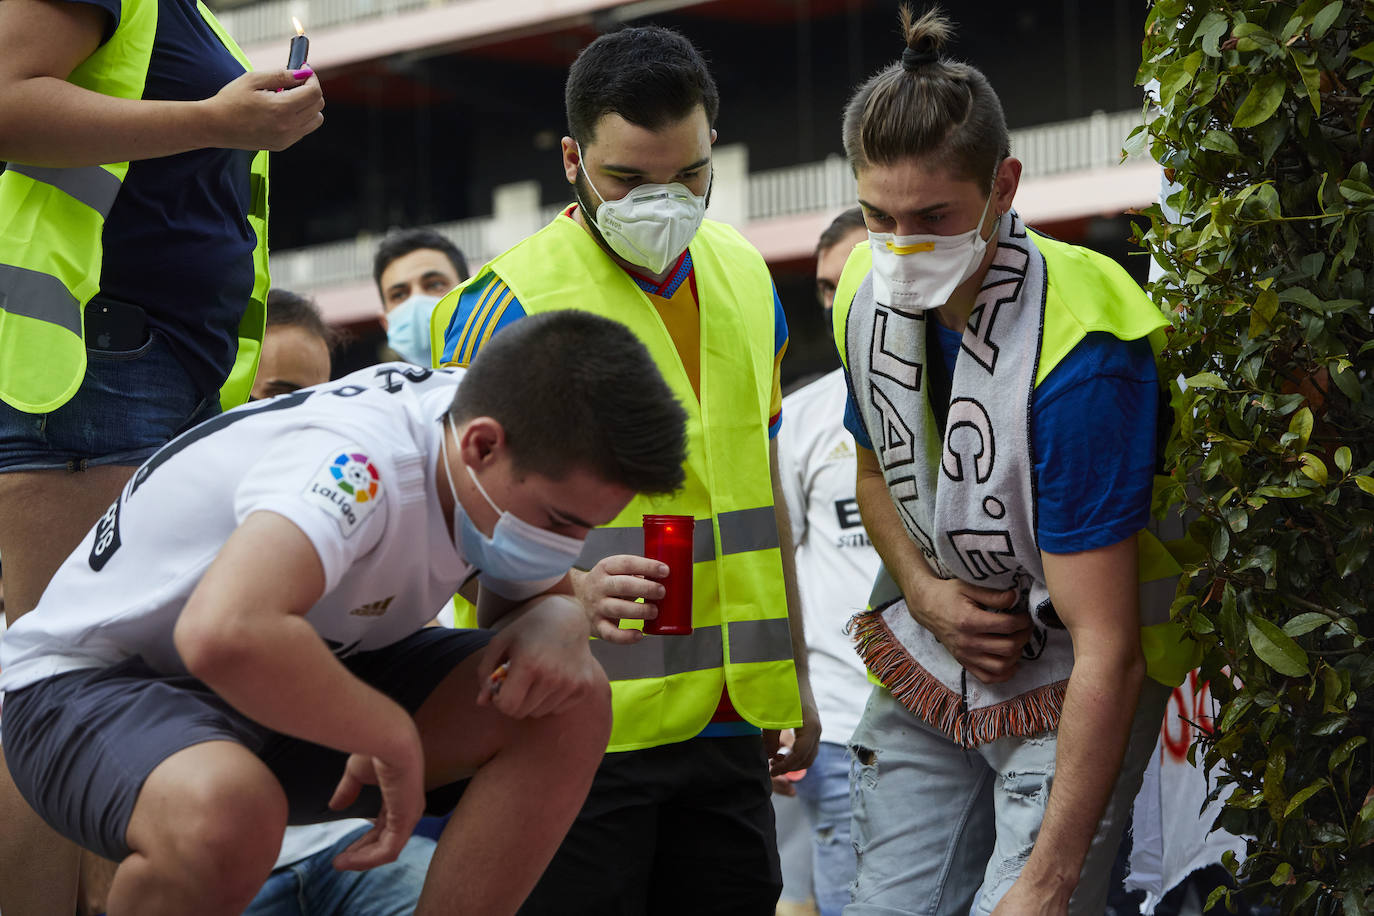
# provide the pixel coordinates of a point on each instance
(300, 29)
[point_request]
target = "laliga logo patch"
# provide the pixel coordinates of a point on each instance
(347, 488)
(356, 476)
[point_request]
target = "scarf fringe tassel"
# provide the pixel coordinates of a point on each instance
(927, 698)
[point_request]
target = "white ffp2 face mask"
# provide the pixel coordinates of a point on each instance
(921, 272)
(652, 225)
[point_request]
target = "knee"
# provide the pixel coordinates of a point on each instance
(586, 722)
(227, 837)
(592, 714)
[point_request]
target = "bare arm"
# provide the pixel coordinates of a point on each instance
(988, 644)
(1095, 594)
(47, 121)
(243, 633)
(545, 643)
(808, 735)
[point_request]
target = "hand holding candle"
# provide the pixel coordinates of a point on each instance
(668, 538)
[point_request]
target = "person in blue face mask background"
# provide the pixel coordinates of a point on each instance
(413, 269)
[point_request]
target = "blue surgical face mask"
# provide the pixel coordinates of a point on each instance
(516, 551)
(407, 328)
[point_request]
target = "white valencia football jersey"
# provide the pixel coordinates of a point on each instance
(836, 563)
(351, 463)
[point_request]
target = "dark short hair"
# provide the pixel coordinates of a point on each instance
(839, 227)
(288, 309)
(575, 390)
(928, 107)
(648, 75)
(401, 242)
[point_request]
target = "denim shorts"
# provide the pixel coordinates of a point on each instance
(81, 744)
(130, 404)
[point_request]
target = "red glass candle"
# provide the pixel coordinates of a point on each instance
(668, 538)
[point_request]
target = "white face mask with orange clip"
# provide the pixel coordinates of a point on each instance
(920, 272)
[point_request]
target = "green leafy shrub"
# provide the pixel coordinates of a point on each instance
(1263, 122)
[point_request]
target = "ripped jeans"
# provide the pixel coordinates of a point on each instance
(944, 831)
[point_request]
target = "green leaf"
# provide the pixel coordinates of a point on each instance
(1221, 142)
(1232, 628)
(1234, 710)
(1286, 492)
(1209, 32)
(1364, 52)
(1365, 483)
(1323, 20)
(1275, 648)
(1177, 76)
(1136, 143)
(1261, 102)
(1205, 380)
(1311, 79)
(1221, 543)
(1346, 748)
(1301, 426)
(1302, 297)
(1301, 796)
(1284, 871)
(1313, 467)
(1303, 624)
(1342, 458)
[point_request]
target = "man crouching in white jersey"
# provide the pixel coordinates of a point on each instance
(239, 643)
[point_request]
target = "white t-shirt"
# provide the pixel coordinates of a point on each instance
(836, 563)
(351, 463)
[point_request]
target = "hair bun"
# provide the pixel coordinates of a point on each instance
(912, 59)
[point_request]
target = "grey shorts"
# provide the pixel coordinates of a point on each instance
(80, 745)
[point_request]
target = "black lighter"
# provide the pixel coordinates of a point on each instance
(300, 47)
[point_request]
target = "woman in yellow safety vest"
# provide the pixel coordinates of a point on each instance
(133, 271)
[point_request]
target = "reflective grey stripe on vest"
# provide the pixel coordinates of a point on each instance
(664, 656)
(740, 532)
(92, 185)
(38, 295)
(748, 529)
(760, 641)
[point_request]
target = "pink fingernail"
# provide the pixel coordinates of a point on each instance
(303, 73)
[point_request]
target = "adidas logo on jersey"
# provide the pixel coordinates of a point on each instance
(840, 452)
(373, 609)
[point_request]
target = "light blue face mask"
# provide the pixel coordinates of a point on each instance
(407, 328)
(516, 551)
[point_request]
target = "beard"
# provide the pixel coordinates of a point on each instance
(580, 191)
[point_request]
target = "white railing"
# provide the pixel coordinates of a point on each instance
(351, 261)
(1093, 142)
(270, 20)
(826, 185)
(1050, 149)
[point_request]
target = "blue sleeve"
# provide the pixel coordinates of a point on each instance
(853, 420)
(1093, 421)
(779, 326)
(779, 348)
(485, 306)
(113, 9)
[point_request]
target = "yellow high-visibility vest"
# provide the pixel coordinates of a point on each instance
(51, 226)
(1104, 299)
(666, 688)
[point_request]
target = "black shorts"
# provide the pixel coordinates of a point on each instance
(80, 745)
